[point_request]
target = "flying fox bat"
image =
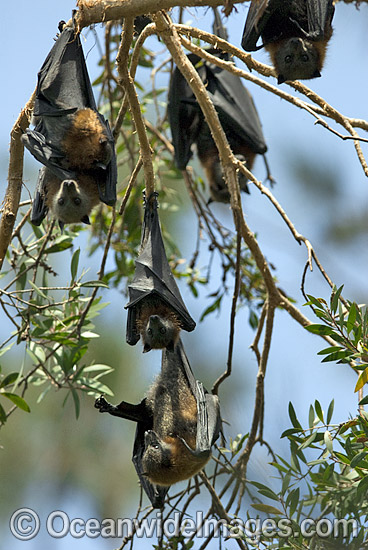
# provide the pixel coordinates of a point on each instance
(294, 32)
(71, 138)
(177, 423)
(236, 112)
(156, 311)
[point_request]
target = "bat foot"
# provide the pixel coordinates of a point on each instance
(102, 405)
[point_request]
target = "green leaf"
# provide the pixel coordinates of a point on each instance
(290, 431)
(216, 305)
(89, 334)
(311, 416)
(39, 292)
(293, 501)
(351, 317)
(94, 284)
(358, 458)
(319, 412)
(7, 348)
(314, 302)
(328, 441)
(330, 411)
(362, 487)
(98, 367)
(17, 400)
(265, 491)
(268, 509)
(335, 298)
(322, 330)
(337, 356)
(61, 243)
(362, 380)
(74, 264)
(329, 350)
(2, 415)
(9, 379)
(76, 402)
(293, 417)
(308, 441)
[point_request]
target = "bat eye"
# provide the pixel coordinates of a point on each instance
(155, 446)
(305, 57)
(77, 201)
(149, 331)
(61, 201)
(162, 330)
(288, 59)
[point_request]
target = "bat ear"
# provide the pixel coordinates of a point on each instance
(280, 79)
(61, 225)
(85, 220)
(146, 348)
(316, 74)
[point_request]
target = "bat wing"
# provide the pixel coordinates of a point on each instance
(257, 18)
(153, 275)
(64, 87)
(184, 117)
(235, 107)
(208, 411)
(155, 493)
(319, 13)
(107, 183)
(39, 208)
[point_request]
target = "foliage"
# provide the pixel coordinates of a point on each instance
(326, 473)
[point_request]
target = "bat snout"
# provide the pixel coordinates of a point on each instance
(69, 185)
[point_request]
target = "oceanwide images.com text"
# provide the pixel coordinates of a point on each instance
(25, 524)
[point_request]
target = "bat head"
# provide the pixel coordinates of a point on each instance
(296, 58)
(218, 188)
(159, 333)
(157, 458)
(71, 204)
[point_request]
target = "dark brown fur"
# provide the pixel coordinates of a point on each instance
(174, 410)
(154, 306)
(210, 161)
(85, 143)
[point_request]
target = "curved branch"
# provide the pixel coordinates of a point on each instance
(127, 83)
(15, 178)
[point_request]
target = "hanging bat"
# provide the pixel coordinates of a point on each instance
(236, 112)
(177, 423)
(156, 311)
(71, 138)
(295, 33)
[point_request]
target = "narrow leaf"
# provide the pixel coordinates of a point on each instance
(74, 264)
(268, 509)
(293, 417)
(319, 411)
(328, 441)
(362, 380)
(330, 411)
(9, 379)
(335, 298)
(17, 400)
(320, 329)
(357, 458)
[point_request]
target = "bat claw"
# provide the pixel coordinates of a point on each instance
(102, 405)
